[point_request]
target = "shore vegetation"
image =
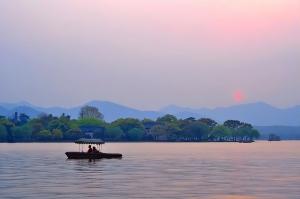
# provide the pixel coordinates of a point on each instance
(91, 124)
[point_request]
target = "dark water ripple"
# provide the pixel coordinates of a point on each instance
(260, 170)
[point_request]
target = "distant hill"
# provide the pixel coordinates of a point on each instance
(111, 111)
(3, 111)
(258, 114)
(267, 119)
(285, 132)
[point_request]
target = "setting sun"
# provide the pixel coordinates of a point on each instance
(239, 96)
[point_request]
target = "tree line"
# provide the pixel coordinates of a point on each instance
(90, 124)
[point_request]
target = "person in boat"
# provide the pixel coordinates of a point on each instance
(90, 150)
(95, 150)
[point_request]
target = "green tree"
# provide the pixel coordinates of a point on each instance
(73, 134)
(147, 120)
(36, 126)
(148, 123)
(247, 133)
(243, 133)
(159, 132)
(196, 131)
(57, 134)
(90, 122)
(44, 135)
(254, 134)
(92, 125)
(67, 122)
(24, 118)
(209, 122)
(8, 126)
(73, 124)
(183, 123)
(22, 133)
(127, 124)
(220, 133)
(3, 133)
(45, 119)
(114, 133)
(167, 119)
(57, 124)
(90, 112)
(168, 131)
(135, 134)
(234, 124)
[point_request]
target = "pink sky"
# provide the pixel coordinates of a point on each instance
(143, 53)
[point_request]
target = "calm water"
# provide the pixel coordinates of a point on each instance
(260, 170)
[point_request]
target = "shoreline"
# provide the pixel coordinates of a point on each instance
(145, 142)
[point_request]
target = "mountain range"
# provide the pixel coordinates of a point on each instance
(259, 114)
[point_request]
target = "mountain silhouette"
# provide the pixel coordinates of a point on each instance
(259, 114)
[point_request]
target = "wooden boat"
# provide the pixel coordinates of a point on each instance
(84, 155)
(91, 155)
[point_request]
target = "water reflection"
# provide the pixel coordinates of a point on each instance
(154, 170)
(234, 197)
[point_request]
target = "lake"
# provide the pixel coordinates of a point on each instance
(260, 170)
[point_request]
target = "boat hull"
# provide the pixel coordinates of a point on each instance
(83, 155)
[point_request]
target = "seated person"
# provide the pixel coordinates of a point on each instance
(95, 150)
(90, 150)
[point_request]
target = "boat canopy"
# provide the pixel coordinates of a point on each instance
(89, 141)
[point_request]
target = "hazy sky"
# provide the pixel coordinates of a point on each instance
(150, 53)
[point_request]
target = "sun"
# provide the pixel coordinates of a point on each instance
(239, 96)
